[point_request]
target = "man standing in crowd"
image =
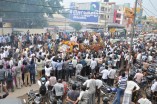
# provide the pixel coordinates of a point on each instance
(91, 87)
(130, 89)
(122, 83)
(59, 90)
(72, 95)
(93, 65)
(111, 76)
(105, 74)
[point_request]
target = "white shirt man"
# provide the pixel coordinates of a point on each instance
(154, 87)
(112, 73)
(150, 58)
(139, 55)
(144, 100)
(88, 61)
(105, 74)
(130, 86)
(93, 64)
(47, 71)
(59, 89)
(99, 83)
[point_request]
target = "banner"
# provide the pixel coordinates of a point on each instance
(91, 15)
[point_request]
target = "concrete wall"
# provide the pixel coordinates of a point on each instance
(5, 30)
(32, 31)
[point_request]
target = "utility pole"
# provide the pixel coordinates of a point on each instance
(133, 31)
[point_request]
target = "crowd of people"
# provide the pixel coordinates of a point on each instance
(26, 59)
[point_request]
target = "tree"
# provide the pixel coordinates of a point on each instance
(29, 13)
(77, 26)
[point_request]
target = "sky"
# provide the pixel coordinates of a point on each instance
(149, 9)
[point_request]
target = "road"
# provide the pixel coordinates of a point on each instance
(22, 91)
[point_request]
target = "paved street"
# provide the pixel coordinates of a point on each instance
(22, 91)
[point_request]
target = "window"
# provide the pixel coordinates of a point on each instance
(118, 21)
(118, 15)
(102, 8)
(101, 16)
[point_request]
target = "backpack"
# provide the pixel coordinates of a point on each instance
(42, 89)
(10, 76)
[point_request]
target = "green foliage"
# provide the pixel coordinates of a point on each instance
(77, 26)
(65, 13)
(29, 13)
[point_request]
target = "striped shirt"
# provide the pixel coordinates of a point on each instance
(122, 82)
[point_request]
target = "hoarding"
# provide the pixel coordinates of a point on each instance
(89, 14)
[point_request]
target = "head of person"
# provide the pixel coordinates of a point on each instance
(8, 66)
(83, 88)
(130, 78)
(59, 81)
(156, 78)
(74, 87)
(97, 76)
(92, 76)
(52, 74)
(123, 74)
(16, 64)
(1, 66)
(38, 60)
(47, 66)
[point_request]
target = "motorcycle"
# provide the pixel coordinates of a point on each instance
(52, 98)
(33, 98)
(108, 92)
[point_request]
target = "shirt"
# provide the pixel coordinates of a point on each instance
(154, 87)
(101, 68)
(84, 96)
(93, 64)
(47, 71)
(122, 83)
(73, 95)
(105, 74)
(88, 61)
(74, 62)
(54, 64)
(91, 84)
(99, 83)
(130, 86)
(59, 89)
(59, 65)
(139, 56)
(112, 73)
(2, 74)
(144, 101)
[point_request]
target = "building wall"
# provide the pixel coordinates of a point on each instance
(10, 30)
(106, 13)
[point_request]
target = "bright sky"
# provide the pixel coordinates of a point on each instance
(149, 9)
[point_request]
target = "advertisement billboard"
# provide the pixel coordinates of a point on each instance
(90, 14)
